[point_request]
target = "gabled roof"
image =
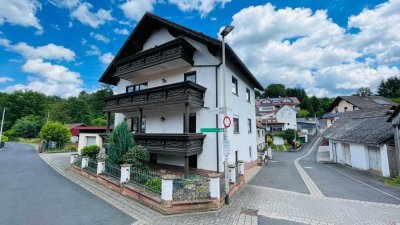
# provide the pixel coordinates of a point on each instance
(277, 101)
(76, 125)
(367, 102)
(363, 126)
(151, 22)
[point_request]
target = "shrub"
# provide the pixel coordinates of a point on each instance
(138, 156)
(154, 184)
(4, 138)
(28, 126)
(91, 150)
(120, 140)
(72, 148)
(55, 131)
(269, 141)
(11, 134)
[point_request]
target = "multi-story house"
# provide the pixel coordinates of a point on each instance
(278, 114)
(169, 83)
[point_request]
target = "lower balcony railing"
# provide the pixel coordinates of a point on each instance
(172, 144)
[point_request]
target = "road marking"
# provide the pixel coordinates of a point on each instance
(377, 189)
(311, 186)
(308, 167)
(273, 161)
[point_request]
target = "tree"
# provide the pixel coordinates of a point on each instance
(364, 92)
(28, 126)
(303, 113)
(138, 156)
(300, 93)
(72, 110)
(288, 135)
(119, 141)
(275, 91)
(98, 122)
(390, 87)
(55, 131)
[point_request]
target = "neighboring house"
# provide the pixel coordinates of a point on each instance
(268, 105)
(352, 103)
(169, 83)
(74, 128)
(260, 136)
(395, 120)
(363, 139)
(282, 119)
(91, 135)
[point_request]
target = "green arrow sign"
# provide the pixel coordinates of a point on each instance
(211, 130)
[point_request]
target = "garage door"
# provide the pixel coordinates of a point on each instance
(90, 140)
(374, 156)
(347, 155)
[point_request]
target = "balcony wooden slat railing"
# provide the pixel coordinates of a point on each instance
(183, 92)
(178, 48)
(172, 144)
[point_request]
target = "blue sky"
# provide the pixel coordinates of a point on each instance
(327, 47)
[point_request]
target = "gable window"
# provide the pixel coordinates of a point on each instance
(234, 86)
(236, 125)
(190, 76)
(249, 125)
(137, 87)
(248, 94)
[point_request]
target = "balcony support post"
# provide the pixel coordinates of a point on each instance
(186, 131)
(108, 122)
(140, 121)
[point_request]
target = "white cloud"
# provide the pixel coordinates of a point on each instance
(6, 79)
(134, 9)
(95, 20)
(49, 51)
(121, 31)
(203, 6)
(106, 58)
(49, 79)
(306, 48)
(100, 37)
(20, 12)
(93, 50)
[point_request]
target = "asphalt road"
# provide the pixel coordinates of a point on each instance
(31, 192)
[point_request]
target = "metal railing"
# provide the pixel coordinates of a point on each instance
(78, 161)
(195, 187)
(113, 171)
(143, 178)
(92, 165)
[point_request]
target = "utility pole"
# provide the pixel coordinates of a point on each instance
(224, 33)
(2, 122)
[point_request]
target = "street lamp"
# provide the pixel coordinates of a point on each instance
(2, 122)
(224, 33)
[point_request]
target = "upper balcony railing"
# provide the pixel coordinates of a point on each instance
(178, 48)
(152, 98)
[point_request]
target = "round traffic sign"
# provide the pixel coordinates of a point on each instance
(227, 121)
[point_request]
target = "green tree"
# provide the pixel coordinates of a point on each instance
(98, 122)
(288, 135)
(364, 92)
(390, 87)
(119, 141)
(28, 126)
(72, 110)
(138, 156)
(55, 131)
(303, 113)
(300, 93)
(275, 91)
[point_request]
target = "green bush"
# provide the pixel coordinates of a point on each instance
(72, 148)
(153, 184)
(120, 140)
(28, 126)
(91, 150)
(269, 141)
(4, 138)
(11, 135)
(138, 156)
(55, 131)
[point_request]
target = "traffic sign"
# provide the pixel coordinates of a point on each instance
(211, 130)
(226, 147)
(227, 121)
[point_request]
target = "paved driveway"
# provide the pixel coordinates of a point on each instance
(33, 193)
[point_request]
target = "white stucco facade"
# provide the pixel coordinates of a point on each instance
(170, 119)
(287, 115)
(86, 139)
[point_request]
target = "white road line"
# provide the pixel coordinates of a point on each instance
(377, 189)
(311, 186)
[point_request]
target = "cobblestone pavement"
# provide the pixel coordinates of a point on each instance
(271, 203)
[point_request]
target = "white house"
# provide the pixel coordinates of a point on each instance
(363, 139)
(169, 85)
(282, 119)
(260, 136)
(395, 120)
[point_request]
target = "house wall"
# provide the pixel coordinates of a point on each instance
(384, 160)
(287, 115)
(336, 156)
(205, 65)
(359, 156)
(260, 138)
(83, 141)
(341, 105)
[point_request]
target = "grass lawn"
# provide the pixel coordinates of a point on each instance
(35, 141)
(393, 181)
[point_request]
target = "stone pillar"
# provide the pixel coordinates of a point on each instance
(72, 159)
(167, 187)
(85, 162)
(241, 167)
(125, 173)
(101, 167)
(232, 173)
(214, 185)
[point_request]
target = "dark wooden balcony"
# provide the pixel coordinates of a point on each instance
(171, 55)
(157, 97)
(172, 144)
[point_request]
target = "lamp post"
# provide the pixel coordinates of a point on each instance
(2, 122)
(223, 34)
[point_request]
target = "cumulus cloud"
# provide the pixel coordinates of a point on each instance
(49, 79)
(299, 47)
(203, 6)
(85, 16)
(49, 51)
(121, 31)
(20, 12)
(6, 79)
(106, 58)
(134, 9)
(100, 37)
